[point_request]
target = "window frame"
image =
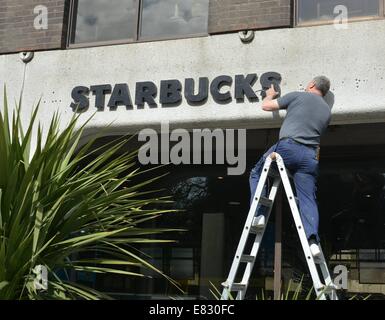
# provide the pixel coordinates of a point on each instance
(297, 24)
(138, 24)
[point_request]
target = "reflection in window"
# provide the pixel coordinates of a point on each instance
(182, 263)
(188, 192)
(176, 262)
(165, 18)
(323, 10)
(372, 266)
(100, 20)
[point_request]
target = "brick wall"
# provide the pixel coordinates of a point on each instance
(17, 31)
(237, 15)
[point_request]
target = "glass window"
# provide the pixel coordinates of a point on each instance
(372, 272)
(167, 18)
(101, 20)
(104, 20)
(351, 198)
(182, 263)
(323, 10)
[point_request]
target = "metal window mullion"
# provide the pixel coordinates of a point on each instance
(71, 28)
(296, 12)
(139, 6)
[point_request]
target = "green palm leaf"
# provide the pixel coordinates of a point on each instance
(59, 199)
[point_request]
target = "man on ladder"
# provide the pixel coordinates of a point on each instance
(308, 116)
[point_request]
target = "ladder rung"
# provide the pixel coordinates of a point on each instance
(328, 288)
(247, 258)
(256, 230)
(318, 260)
(265, 201)
(238, 287)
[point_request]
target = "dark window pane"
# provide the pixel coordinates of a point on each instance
(372, 272)
(323, 10)
(182, 269)
(182, 253)
(168, 18)
(103, 20)
(367, 254)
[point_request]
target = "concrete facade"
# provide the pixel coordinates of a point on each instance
(352, 58)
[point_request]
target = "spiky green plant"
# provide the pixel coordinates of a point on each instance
(296, 295)
(53, 209)
(263, 296)
(289, 294)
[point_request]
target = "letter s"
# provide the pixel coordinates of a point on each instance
(269, 78)
(80, 97)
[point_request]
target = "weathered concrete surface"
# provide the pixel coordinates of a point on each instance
(353, 59)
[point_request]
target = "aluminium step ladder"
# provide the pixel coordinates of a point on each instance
(324, 290)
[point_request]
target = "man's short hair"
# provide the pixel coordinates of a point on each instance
(322, 83)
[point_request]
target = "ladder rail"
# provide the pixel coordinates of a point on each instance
(257, 241)
(327, 277)
(246, 230)
(317, 284)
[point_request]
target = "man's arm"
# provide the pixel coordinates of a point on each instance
(269, 103)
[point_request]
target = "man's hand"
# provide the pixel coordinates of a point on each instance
(269, 103)
(271, 93)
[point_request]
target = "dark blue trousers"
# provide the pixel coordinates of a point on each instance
(302, 163)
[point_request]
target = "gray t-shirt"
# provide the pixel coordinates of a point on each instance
(307, 118)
